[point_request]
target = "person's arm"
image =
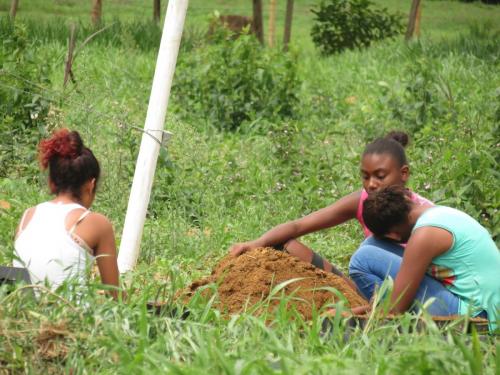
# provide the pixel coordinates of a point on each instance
(337, 213)
(425, 244)
(105, 251)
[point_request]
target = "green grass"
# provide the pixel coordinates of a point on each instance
(213, 189)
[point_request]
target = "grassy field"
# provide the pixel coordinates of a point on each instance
(213, 188)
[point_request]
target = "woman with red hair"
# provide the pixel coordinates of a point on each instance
(58, 241)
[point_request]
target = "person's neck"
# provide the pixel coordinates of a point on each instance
(66, 198)
(416, 211)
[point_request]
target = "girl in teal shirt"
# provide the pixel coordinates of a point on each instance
(442, 242)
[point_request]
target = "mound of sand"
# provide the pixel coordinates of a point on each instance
(249, 278)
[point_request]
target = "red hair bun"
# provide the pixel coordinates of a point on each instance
(63, 144)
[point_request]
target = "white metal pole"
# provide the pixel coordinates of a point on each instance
(152, 136)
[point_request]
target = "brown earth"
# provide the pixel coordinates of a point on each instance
(249, 278)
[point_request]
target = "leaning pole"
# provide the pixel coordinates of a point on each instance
(152, 135)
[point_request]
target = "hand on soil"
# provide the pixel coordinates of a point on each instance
(361, 310)
(333, 312)
(358, 310)
(240, 248)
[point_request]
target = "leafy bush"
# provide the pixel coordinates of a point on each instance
(233, 81)
(349, 24)
(23, 78)
(464, 159)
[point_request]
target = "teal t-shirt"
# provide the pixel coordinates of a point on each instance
(471, 267)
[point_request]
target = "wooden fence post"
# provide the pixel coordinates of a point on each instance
(14, 4)
(68, 73)
(156, 11)
(288, 24)
(413, 19)
(417, 20)
(272, 23)
(257, 20)
(96, 12)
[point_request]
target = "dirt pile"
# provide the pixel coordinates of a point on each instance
(249, 278)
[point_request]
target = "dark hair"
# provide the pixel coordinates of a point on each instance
(70, 163)
(386, 208)
(393, 143)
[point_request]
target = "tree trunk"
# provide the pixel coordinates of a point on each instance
(412, 19)
(288, 24)
(272, 23)
(156, 11)
(96, 12)
(13, 9)
(257, 20)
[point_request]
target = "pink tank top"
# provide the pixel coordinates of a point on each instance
(359, 214)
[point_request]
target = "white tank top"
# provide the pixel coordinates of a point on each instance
(48, 250)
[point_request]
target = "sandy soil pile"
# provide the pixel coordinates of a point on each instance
(249, 278)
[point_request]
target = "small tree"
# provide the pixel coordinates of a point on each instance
(349, 24)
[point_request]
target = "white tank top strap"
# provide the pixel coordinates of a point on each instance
(21, 224)
(80, 219)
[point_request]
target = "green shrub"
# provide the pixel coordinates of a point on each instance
(350, 24)
(23, 104)
(463, 160)
(233, 81)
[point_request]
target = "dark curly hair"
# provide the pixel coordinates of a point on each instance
(393, 143)
(70, 163)
(384, 209)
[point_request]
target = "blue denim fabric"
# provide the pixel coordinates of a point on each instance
(376, 259)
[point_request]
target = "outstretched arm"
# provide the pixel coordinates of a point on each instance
(337, 213)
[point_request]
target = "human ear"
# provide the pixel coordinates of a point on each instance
(405, 173)
(52, 186)
(89, 187)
